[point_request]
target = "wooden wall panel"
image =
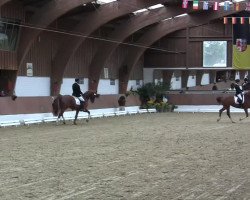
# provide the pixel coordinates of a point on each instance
(213, 29)
(137, 72)
(40, 55)
(79, 62)
(177, 43)
(14, 11)
(196, 56)
(8, 60)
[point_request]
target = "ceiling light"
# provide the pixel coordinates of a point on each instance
(155, 6)
(104, 1)
(141, 10)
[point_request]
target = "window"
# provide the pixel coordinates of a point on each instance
(9, 31)
(214, 54)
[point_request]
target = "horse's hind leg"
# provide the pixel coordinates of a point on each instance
(77, 111)
(246, 112)
(220, 112)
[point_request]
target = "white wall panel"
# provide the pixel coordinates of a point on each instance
(205, 79)
(66, 87)
(32, 86)
(104, 87)
(132, 83)
(191, 81)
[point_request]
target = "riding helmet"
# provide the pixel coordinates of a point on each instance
(77, 79)
(237, 80)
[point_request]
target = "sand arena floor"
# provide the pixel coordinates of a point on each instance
(167, 156)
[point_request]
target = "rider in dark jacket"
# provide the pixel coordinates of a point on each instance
(77, 91)
(244, 84)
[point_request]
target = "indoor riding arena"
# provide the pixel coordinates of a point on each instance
(124, 99)
(147, 156)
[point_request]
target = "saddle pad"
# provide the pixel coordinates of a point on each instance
(76, 100)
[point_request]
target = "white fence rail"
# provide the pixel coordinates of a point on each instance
(27, 119)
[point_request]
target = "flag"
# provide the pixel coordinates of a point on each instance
(184, 3)
(242, 20)
(215, 5)
(226, 5)
(195, 4)
(205, 5)
(225, 20)
(247, 6)
(237, 6)
(233, 20)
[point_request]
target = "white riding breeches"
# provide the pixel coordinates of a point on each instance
(239, 96)
(81, 98)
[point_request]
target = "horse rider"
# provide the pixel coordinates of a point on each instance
(77, 92)
(239, 92)
(245, 82)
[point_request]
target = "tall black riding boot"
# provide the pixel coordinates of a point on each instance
(81, 105)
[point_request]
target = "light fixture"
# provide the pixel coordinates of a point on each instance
(155, 6)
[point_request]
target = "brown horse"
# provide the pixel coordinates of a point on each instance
(229, 101)
(64, 102)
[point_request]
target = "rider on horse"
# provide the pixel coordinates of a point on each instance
(245, 82)
(239, 92)
(77, 92)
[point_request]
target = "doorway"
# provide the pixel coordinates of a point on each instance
(7, 81)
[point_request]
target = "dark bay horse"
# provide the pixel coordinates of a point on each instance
(64, 102)
(228, 101)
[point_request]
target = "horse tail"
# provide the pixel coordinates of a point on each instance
(56, 105)
(218, 99)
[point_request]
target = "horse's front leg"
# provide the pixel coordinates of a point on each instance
(229, 115)
(87, 111)
(77, 111)
(246, 112)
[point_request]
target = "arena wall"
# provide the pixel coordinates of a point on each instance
(29, 105)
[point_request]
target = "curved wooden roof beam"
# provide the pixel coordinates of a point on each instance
(2, 2)
(123, 31)
(164, 28)
(89, 24)
(42, 18)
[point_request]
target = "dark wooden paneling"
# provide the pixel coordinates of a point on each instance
(40, 55)
(8, 60)
(14, 11)
(196, 56)
(77, 65)
(176, 42)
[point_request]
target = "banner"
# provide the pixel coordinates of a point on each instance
(241, 45)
